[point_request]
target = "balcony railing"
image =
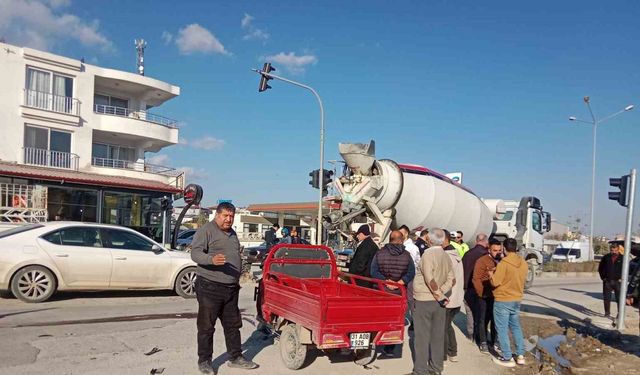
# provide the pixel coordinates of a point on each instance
(50, 158)
(136, 166)
(136, 114)
(50, 102)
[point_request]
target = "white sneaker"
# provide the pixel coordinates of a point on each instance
(504, 362)
(453, 358)
(520, 360)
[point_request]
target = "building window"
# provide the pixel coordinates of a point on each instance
(110, 105)
(136, 211)
(250, 228)
(65, 203)
(48, 90)
(47, 147)
(105, 155)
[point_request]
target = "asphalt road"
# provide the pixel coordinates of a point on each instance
(110, 332)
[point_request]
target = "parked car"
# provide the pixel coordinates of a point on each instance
(184, 239)
(255, 254)
(36, 260)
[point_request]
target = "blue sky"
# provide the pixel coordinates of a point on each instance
(479, 87)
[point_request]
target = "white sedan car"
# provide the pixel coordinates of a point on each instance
(38, 259)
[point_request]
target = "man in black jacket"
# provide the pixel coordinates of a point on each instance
(366, 249)
(270, 237)
(610, 270)
(470, 297)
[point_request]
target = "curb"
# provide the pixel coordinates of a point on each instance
(550, 275)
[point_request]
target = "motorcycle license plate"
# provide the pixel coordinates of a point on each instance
(360, 340)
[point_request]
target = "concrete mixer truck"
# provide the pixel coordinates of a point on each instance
(387, 195)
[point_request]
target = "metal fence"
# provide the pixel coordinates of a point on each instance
(136, 114)
(51, 102)
(49, 158)
(134, 165)
(23, 203)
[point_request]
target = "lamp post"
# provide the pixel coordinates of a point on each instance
(266, 76)
(595, 122)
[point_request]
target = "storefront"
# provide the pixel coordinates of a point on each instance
(77, 196)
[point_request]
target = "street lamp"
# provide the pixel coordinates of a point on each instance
(266, 75)
(595, 122)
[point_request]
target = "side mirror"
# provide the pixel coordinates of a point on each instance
(157, 249)
(547, 220)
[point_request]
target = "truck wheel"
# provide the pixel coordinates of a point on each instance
(531, 274)
(292, 351)
(364, 356)
(33, 284)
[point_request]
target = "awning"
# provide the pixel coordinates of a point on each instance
(296, 208)
(61, 175)
(254, 220)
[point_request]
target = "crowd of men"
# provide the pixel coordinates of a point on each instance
(439, 271)
(442, 275)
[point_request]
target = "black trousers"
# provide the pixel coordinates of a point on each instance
(485, 320)
(218, 301)
(609, 286)
(471, 298)
(450, 343)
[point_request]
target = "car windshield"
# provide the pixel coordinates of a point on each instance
(561, 251)
(20, 229)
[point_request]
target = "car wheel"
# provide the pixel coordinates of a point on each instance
(33, 284)
(186, 283)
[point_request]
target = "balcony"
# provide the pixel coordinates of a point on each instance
(126, 168)
(135, 114)
(50, 158)
(50, 102)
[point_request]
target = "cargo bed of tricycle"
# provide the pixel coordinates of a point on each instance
(304, 297)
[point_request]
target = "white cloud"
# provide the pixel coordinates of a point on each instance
(196, 39)
(207, 143)
(158, 159)
(42, 25)
(167, 37)
(194, 174)
(246, 20)
(293, 63)
(253, 33)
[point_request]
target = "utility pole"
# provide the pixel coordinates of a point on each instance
(265, 77)
(626, 198)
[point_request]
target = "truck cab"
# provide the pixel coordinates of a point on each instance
(526, 222)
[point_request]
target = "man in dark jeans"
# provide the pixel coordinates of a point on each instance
(481, 280)
(610, 270)
(216, 250)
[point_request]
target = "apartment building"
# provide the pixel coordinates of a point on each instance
(75, 142)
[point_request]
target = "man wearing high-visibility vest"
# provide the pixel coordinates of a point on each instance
(458, 243)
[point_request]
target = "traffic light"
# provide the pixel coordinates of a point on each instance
(327, 178)
(264, 79)
(620, 196)
(315, 179)
(165, 204)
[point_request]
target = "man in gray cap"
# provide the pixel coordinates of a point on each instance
(366, 249)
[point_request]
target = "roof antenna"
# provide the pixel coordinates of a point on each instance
(140, 46)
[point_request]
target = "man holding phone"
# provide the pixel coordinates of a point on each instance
(216, 250)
